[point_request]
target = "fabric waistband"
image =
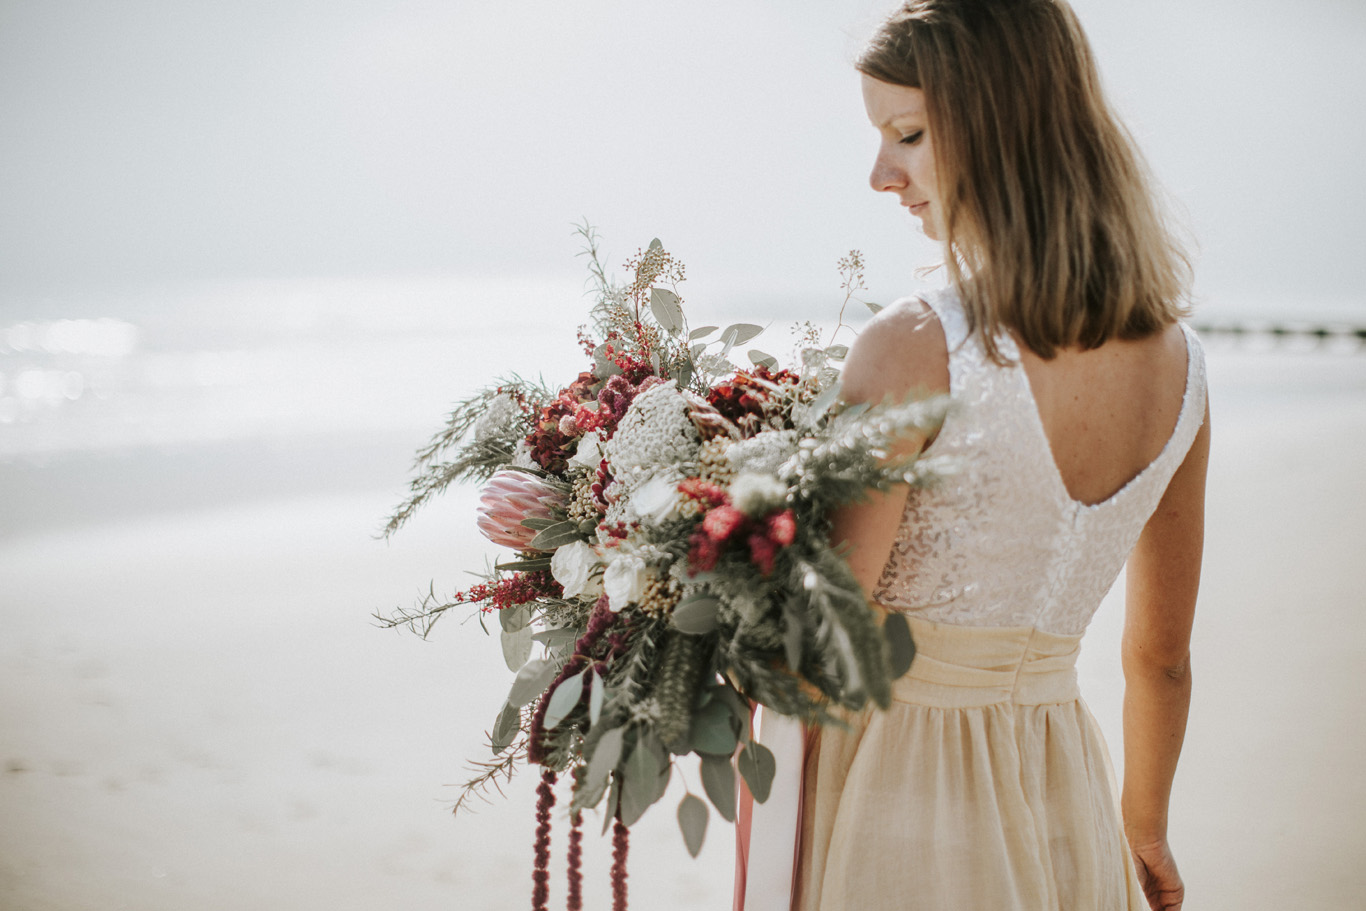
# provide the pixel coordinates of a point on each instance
(965, 666)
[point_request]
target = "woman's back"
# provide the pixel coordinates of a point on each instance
(1056, 467)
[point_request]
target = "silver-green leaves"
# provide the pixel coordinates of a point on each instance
(757, 765)
(692, 819)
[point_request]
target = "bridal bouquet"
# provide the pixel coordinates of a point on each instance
(667, 515)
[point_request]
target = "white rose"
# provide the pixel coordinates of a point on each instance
(571, 566)
(624, 581)
(589, 453)
(755, 494)
(656, 500)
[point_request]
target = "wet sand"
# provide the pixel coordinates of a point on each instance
(196, 711)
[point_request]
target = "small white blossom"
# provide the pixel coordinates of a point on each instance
(589, 453)
(572, 565)
(521, 455)
(625, 580)
(755, 494)
(496, 420)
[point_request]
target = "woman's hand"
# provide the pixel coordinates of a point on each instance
(1158, 876)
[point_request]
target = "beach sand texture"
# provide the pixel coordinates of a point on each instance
(196, 711)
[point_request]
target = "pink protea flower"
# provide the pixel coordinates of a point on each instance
(507, 499)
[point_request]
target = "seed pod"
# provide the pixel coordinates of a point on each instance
(680, 673)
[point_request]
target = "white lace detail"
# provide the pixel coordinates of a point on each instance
(1000, 542)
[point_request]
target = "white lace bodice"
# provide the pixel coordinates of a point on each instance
(1000, 542)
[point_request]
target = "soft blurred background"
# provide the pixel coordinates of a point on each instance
(250, 253)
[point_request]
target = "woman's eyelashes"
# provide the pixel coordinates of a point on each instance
(912, 138)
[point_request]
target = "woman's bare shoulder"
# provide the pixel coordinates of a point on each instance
(901, 353)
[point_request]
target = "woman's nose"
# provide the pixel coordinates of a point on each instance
(886, 176)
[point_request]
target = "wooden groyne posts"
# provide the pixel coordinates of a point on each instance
(1337, 335)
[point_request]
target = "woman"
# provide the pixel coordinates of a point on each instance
(1081, 436)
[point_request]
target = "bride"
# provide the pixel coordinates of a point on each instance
(1082, 436)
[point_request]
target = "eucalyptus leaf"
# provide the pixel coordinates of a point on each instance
(739, 333)
(900, 645)
(526, 565)
(554, 638)
(514, 618)
(737, 705)
(757, 765)
(664, 306)
(613, 800)
(595, 694)
(684, 375)
(606, 755)
(692, 819)
(837, 352)
(557, 535)
(537, 523)
(505, 728)
(697, 614)
(516, 647)
(718, 780)
(876, 308)
(656, 245)
(703, 331)
(761, 359)
(793, 632)
(714, 730)
(532, 680)
(644, 782)
(586, 795)
(825, 399)
(563, 700)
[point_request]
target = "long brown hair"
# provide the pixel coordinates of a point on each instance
(1051, 227)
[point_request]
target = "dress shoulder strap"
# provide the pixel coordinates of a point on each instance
(949, 309)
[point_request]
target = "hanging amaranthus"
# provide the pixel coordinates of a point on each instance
(540, 874)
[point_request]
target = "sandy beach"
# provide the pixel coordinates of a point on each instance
(197, 711)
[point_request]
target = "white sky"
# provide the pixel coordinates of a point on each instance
(145, 143)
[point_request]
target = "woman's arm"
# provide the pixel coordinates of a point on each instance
(1163, 577)
(900, 352)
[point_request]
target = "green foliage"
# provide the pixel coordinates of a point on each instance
(692, 819)
(797, 637)
(684, 660)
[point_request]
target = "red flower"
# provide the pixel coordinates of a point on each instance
(721, 522)
(745, 399)
(703, 552)
(762, 551)
(782, 527)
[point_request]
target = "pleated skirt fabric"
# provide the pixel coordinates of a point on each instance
(986, 786)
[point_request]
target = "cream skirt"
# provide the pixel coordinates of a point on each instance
(985, 786)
